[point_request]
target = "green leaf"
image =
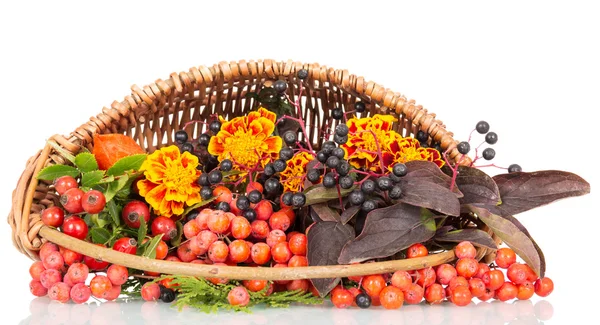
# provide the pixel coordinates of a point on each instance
(107, 179)
(319, 194)
(133, 162)
(99, 235)
(53, 172)
(89, 179)
(115, 186)
(115, 212)
(511, 235)
(143, 230)
(99, 219)
(177, 239)
(86, 162)
(150, 249)
(198, 205)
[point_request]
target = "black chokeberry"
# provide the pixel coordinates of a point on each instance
(214, 127)
(346, 182)
(280, 86)
(328, 147)
(341, 130)
(242, 202)
(360, 107)
(290, 138)
(206, 192)
(167, 295)
(181, 136)
(313, 175)
(223, 206)
(272, 185)
(368, 186)
(514, 168)
(269, 170)
(363, 300)
(302, 74)
(226, 165)
(488, 154)
(337, 113)
(395, 192)
(322, 156)
(298, 200)
(204, 139)
(215, 176)
(491, 138)
(343, 168)
(400, 169)
(422, 136)
(340, 140)
(279, 165)
(329, 180)
(332, 162)
(286, 198)
(356, 197)
(464, 147)
(249, 214)
(192, 215)
(286, 153)
(338, 152)
(482, 127)
(255, 196)
(395, 178)
(187, 147)
(368, 206)
(384, 183)
(203, 180)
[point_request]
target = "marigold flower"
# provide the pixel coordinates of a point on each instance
(292, 176)
(247, 140)
(170, 181)
(409, 149)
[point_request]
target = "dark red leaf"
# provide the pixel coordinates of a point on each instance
(388, 231)
(476, 236)
(349, 213)
(422, 193)
(325, 242)
(476, 186)
(429, 171)
(524, 191)
(325, 213)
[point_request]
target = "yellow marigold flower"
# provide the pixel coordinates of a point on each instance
(247, 140)
(291, 177)
(409, 149)
(170, 181)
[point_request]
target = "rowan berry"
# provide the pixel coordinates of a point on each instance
(36, 269)
(218, 251)
(401, 280)
(373, 284)
(222, 194)
(391, 297)
(54, 261)
(481, 270)
(281, 252)
(47, 248)
(218, 223)
(342, 298)
(255, 285)
(113, 293)
(37, 289)
(60, 291)
(467, 267)
(517, 273)
(49, 277)
(279, 220)
(298, 244)
(465, 249)
(417, 250)
(461, 296)
(477, 287)
(238, 251)
(260, 229)
(544, 287)
(435, 294)
(205, 239)
(263, 210)
(260, 253)
(78, 272)
(202, 218)
(525, 290)
(489, 294)
(275, 236)
(414, 294)
(99, 285)
(505, 257)
(191, 229)
(298, 261)
(445, 273)
(70, 256)
(507, 291)
(301, 285)
(80, 293)
(240, 228)
(117, 274)
(493, 279)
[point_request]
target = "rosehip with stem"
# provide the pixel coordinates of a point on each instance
(64, 183)
(93, 201)
(126, 245)
(71, 200)
(165, 226)
(133, 211)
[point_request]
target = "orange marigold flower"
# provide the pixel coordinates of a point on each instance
(291, 177)
(409, 149)
(247, 140)
(170, 181)
(361, 148)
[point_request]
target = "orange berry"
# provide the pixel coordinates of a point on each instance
(525, 290)
(290, 213)
(517, 273)
(222, 194)
(342, 298)
(239, 251)
(281, 252)
(458, 281)
(465, 249)
(435, 294)
(417, 250)
(477, 287)
(426, 277)
(301, 285)
(100, 285)
(544, 287)
(401, 280)
(191, 229)
(467, 267)
(254, 186)
(391, 297)
(445, 273)
(275, 236)
(461, 296)
(505, 257)
(260, 229)
(489, 294)
(481, 270)
(373, 284)
(255, 285)
(264, 210)
(298, 261)
(298, 244)
(414, 294)
(161, 250)
(218, 252)
(240, 228)
(493, 279)
(507, 291)
(202, 218)
(531, 275)
(238, 296)
(260, 253)
(290, 234)
(168, 283)
(218, 222)
(279, 220)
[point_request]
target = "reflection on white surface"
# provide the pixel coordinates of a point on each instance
(44, 311)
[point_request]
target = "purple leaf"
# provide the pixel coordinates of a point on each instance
(349, 213)
(524, 191)
(325, 242)
(388, 231)
(324, 212)
(429, 171)
(476, 186)
(422, 193)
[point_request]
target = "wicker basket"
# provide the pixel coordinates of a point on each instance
(153, 113)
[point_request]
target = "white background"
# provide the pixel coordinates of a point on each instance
(530, 69)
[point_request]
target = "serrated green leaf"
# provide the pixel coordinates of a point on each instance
(142, 230)
(89, 179)
(107, 179)
(115, 212)
(53, 172)
(99, 220)
(133, 162)
(99, 235)
(115, 186)
(150, 250)
(177, 239)
(86, 162)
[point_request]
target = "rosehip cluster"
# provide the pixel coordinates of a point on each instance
(458, 283)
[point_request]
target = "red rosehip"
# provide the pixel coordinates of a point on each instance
(133, 211)
(74, 226)
(93, 201)
(53, 216)
(126, 245)
(64, 183)
(165, 226)
(71, 200)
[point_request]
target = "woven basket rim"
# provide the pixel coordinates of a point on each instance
(29, 232)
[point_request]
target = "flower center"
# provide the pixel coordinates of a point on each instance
(242, 148)
(178, 177)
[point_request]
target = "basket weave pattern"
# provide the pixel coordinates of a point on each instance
(153, 113)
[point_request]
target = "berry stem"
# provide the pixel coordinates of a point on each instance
(490, 165)
(192, 122)
(302, 126)
(379, 154)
